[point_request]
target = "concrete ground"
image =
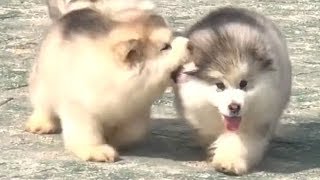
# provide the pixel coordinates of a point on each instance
(169, 152)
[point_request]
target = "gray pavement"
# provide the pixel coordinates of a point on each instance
(169, 152)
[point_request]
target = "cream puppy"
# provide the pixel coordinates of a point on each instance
(96, 78)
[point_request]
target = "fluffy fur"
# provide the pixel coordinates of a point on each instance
(238, 87)
(96, 78)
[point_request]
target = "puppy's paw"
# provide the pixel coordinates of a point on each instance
(180, 42)
(98, 153)
(230, 165)
(182, 49)
(229, 155)
(41, 124)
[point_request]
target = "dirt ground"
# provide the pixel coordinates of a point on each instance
(169, 152)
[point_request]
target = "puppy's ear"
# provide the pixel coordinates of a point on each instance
(263, 57)
(130, 51)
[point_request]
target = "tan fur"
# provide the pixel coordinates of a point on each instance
(102, 88)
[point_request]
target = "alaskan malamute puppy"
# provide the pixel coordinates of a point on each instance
(238, 87)
(57, 8)
(98, 77)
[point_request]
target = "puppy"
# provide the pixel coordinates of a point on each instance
(237, 88)
(96, 78)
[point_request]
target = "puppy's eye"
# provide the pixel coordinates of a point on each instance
(220, 86)
(243, 84)
(165, 47)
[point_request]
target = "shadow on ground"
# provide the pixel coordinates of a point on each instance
(298, 151)
(169, 139)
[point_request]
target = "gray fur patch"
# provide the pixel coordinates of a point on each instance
(85, 22)
(228, 37)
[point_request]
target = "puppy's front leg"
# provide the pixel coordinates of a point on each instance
(43, 119)
(179, 54)
(235, 154)
(83, 135)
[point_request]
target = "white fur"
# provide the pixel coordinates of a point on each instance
(261, 106)
(224, 98)
(262, 101)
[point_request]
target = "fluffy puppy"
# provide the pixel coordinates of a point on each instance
(97, 79)
(238, 87)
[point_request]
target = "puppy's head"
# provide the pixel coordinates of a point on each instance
(133, 36)
(231, 68)
(144, 38)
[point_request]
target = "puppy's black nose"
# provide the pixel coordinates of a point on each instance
(234, 108)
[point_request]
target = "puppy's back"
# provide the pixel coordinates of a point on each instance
(86, 22)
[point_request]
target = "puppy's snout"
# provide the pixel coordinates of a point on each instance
(234, 108)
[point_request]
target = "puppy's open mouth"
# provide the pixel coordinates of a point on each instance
(184, 73)
(178, 76)
(175, 74)
(232, 123)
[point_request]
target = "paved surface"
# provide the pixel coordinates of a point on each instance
(169, 152)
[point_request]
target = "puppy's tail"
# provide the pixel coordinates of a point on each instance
(122, 5)
(147, 5)
(126, 10)
(110, 7)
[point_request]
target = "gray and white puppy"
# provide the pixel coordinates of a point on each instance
(237, 88)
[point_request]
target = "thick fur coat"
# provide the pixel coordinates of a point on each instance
(237, 88)
(97, 77)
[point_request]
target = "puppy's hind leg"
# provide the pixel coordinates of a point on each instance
(83, 135)
(43, 120)
(131, 132)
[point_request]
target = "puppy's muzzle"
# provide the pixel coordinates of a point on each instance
(234, 108)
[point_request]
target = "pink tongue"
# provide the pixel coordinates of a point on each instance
(232, 123)
(183, 78)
